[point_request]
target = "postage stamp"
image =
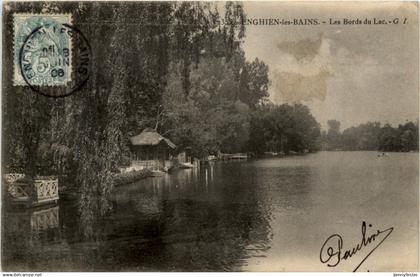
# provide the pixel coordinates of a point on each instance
(42, 50)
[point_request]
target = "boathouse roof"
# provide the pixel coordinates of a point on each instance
(150, 137)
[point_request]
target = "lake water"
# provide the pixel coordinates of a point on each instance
(269, 214)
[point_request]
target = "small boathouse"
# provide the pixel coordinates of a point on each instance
(151, 150)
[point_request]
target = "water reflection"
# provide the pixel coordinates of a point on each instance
(194, 220)
(190, 222)
(27, 230)
(259, 215)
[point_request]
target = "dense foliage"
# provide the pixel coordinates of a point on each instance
(170, 66)
(283, 128)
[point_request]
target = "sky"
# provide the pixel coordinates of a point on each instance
(351, 73)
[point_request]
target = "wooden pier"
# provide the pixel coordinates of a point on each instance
(236, 156)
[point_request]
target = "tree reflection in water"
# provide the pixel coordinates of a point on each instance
(193, 220)
(201, 221)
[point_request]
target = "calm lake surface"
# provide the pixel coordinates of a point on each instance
(269, 214)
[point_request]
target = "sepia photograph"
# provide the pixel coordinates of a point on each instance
(199, 136)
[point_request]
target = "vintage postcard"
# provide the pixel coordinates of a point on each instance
(210, 136)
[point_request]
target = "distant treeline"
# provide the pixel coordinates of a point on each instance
(371, 136)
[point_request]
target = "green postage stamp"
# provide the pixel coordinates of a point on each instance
(42, 50)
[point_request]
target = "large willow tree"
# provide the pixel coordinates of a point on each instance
(83, 138)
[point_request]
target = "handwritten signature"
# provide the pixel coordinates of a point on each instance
(332, 252)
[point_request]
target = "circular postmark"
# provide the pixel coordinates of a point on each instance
(55, 60)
